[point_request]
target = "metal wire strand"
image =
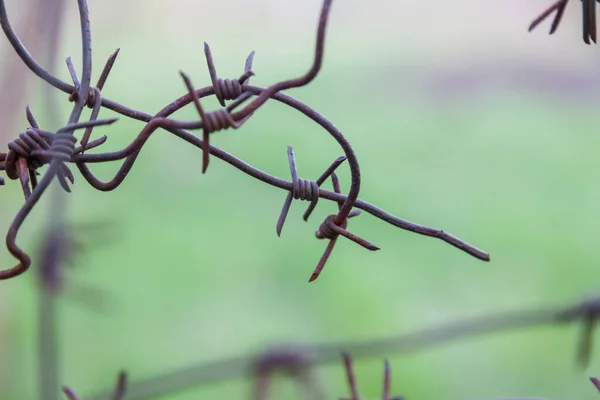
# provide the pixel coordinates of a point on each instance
(94, 95)
(160, 120)
(331, 229)
(212, 121)
(589, 21)
(559, 6)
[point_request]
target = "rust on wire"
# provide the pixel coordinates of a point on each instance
(36, 147)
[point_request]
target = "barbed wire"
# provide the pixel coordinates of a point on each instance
(37, 147)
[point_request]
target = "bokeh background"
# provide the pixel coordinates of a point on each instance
(461, 120)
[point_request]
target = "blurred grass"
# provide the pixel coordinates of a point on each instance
(195, 271)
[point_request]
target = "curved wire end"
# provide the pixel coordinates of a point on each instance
(25, 262)
(249, 60)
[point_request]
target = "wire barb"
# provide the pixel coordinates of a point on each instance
(31, 150)
(212, 121)
(558, 7)
(303, 189)
(330, 229)
(228, 89)
(94, 95)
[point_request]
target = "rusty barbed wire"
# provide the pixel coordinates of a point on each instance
(585, 311)
(303, 189)
(588, 17)
(225, 89)
(56, 149)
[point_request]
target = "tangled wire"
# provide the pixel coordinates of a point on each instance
(36, 147)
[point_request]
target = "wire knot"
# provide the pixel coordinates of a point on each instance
(94, 95)
(212, 121)
(36, 147)
(227, 89)
(26, 146)
(303, 189)
(62, 146)
(217, 120)
(329, 229)
(230, 89)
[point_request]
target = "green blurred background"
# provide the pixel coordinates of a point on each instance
(461, 120)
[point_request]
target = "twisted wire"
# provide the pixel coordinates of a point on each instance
(62, 147)
(304, 189)
(217, 120)
(329, 229)
(91, 99)
(25, 146)
(227, 89)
